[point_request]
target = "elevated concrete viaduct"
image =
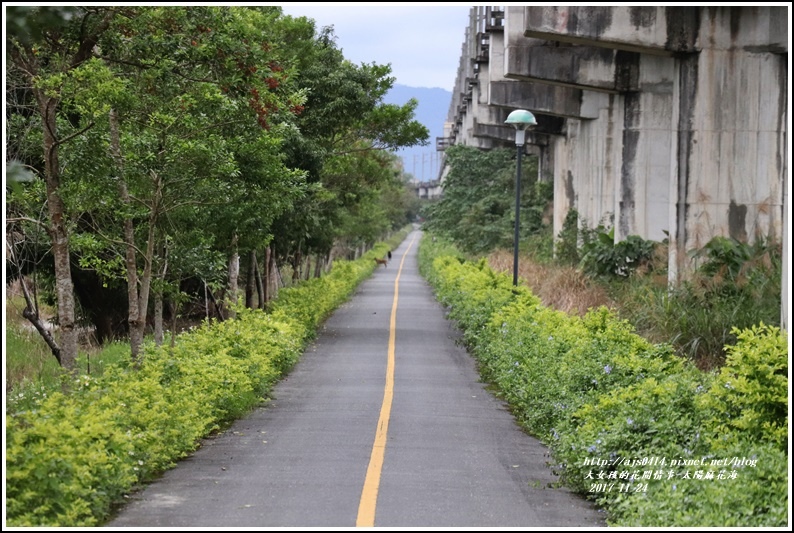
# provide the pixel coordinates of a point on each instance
(664, 122)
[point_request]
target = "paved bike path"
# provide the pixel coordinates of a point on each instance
(452, 455)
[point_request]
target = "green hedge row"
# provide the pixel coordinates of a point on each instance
(653, 440)
(71, 457)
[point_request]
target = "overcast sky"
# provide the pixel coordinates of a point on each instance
(421, 41)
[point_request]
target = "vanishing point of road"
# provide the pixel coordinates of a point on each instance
(382, 423)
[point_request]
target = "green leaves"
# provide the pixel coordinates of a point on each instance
(92, 89)
(73, 456)
(392, 127)
(170, 121)
(477, 210)
(602, 256)
(28, 24)
(749, 398)
(601, 397)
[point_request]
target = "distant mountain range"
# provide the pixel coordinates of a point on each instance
(423, 161)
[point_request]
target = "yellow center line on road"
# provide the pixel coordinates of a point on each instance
(369, 494)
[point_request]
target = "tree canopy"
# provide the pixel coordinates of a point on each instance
(167, 142)
(477, 210)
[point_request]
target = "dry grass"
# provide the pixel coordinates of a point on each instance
(559, 287)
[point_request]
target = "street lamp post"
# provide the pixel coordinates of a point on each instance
(521, 120)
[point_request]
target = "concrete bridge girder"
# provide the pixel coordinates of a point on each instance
(537, 98)
(675, 118)
(507, 134)
(495, 116)
(680, 123)
(646, 29)
(536, 143)
(662, 30)
(483, 143)
(609, 171)
(591, 67)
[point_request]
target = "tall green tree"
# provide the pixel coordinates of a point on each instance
(198, 142)
(46, 45)
(195, 133)
(174, 117)
(477, 209)
(347, 134)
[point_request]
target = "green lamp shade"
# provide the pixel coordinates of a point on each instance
(521, 119)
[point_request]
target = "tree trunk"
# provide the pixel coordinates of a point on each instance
(130, 256)
(234, 274)
(218, 308)
(260, 286)
(28, 62)
(138, 298)
(267, 288)
(31, 312)
(273, 275)
(64, 288)
(308, 274)
(159, 333)
(146, 277)
(158, 317)
(174, 309)
(318, 266)
(297, 261)
(250, 287)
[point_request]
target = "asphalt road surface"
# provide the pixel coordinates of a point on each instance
(383, 422)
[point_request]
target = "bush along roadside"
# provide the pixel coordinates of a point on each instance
(71, 457)
(643, 433)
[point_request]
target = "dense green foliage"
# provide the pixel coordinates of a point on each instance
(185, 138)
(70, 457)
(566, 248)
(732, 284)
(602, 256)
(748, 397)
(736, 286)
(649, 437)
(477, 209)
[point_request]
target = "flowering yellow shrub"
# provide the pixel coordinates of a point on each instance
(69, 457)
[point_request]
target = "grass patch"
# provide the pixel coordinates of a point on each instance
(28, 359)
(561, 287)
(736, 289)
